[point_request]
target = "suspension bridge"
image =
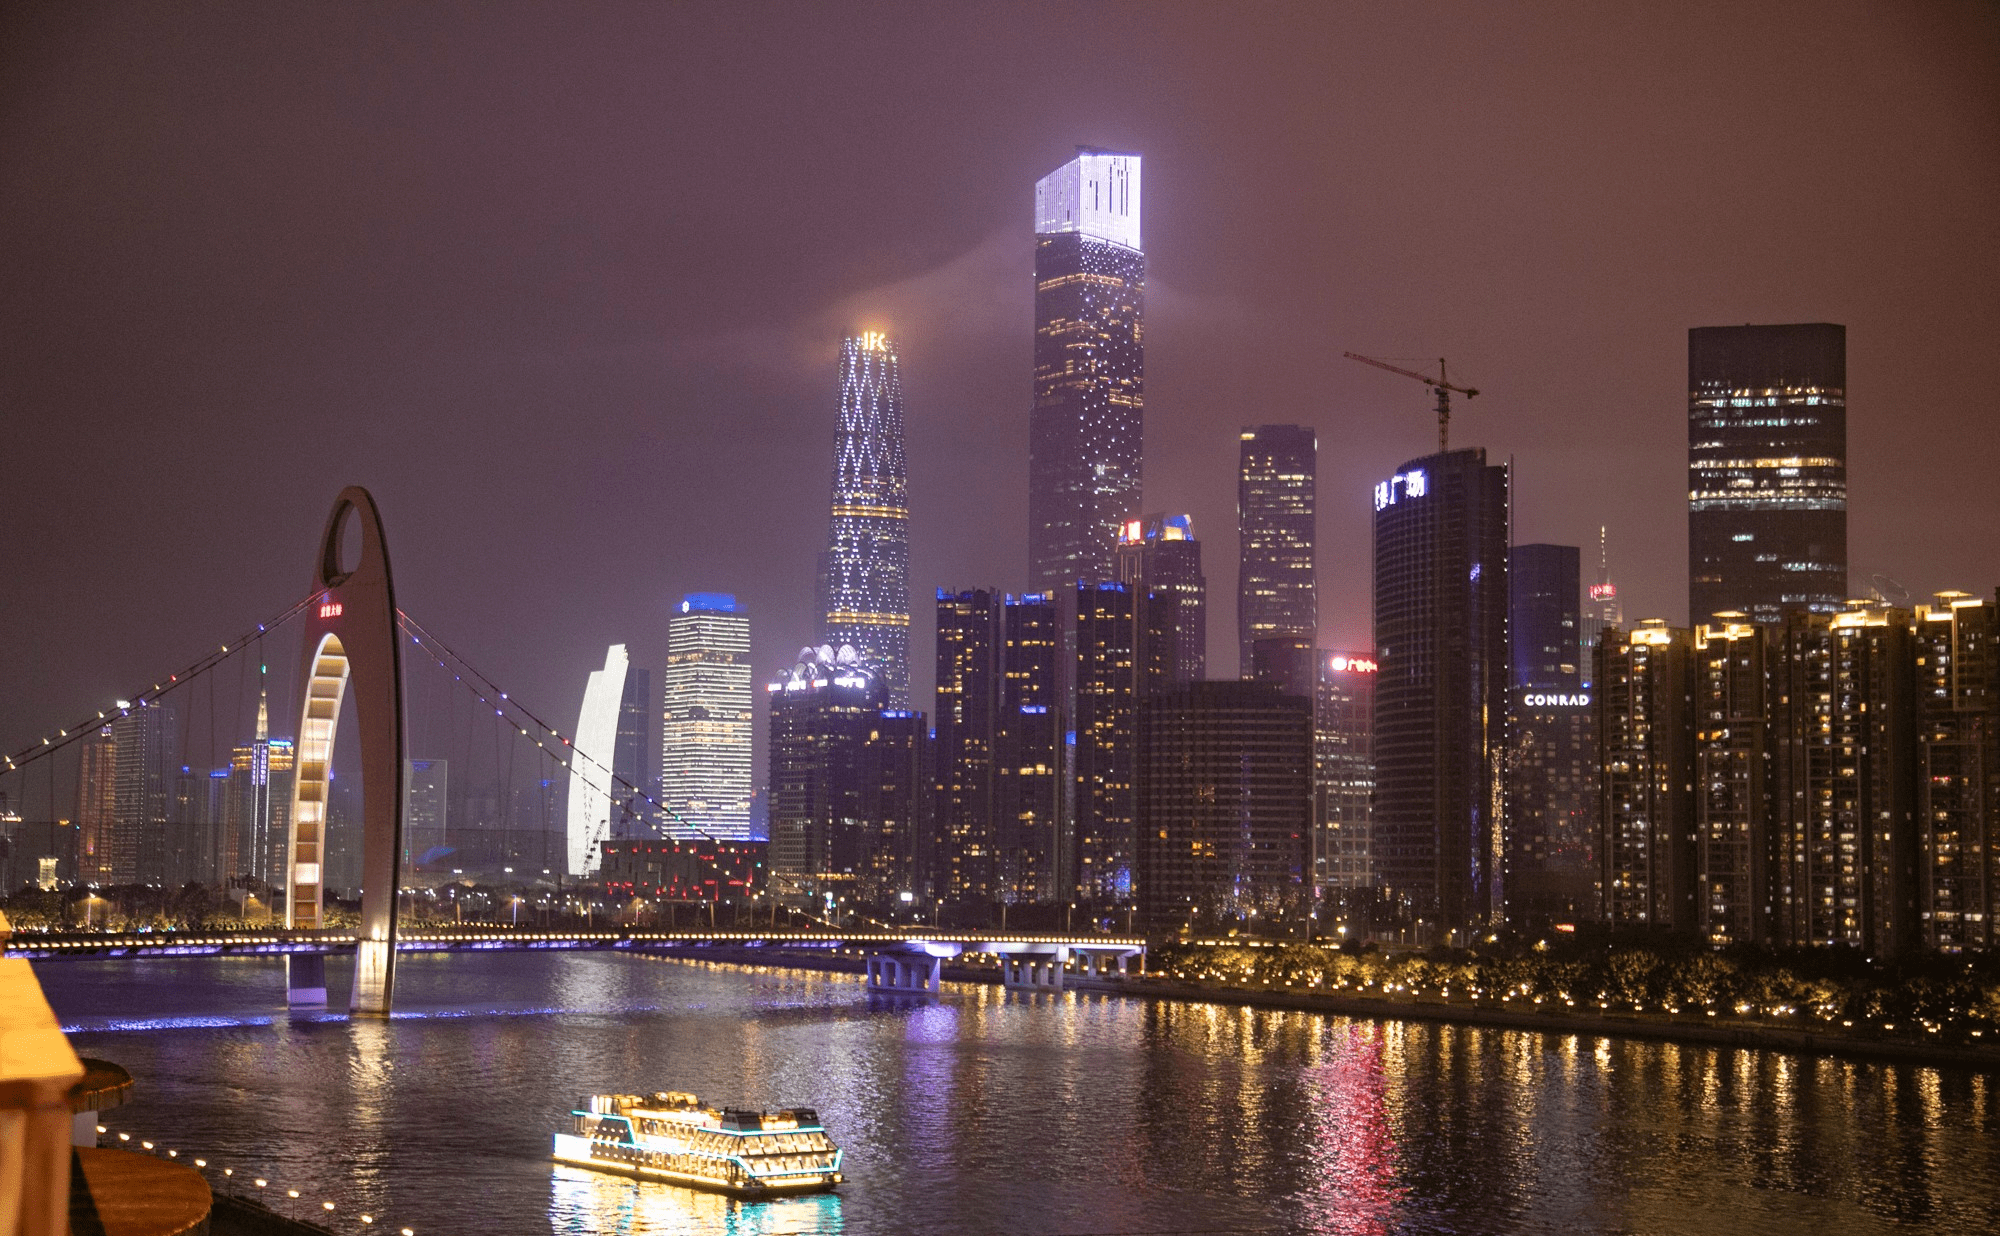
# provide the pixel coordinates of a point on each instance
(353, 639)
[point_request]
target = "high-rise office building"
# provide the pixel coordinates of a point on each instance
(1160, 553)
(1124, 647)
(96, 807)
(1542, 617)
(635, 773)
(1958, 773)
(1767, 470)
(1086, 428)
(1288, 662)
(1224, 806)
(865, 572)
(705, 726)
(1344, 771)
(1551, 827)
(144, 742)
(846, 784)
(1276, 592)
(1441, 533)
(964, 724)
(1643, 689)
(1030, 827)
(594, 744)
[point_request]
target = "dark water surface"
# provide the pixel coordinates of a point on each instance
(987, 1112)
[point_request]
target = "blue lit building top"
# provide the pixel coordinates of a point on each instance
(709, 603)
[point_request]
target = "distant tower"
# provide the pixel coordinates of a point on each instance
(1275, 592)
(865, 572)
(705, 727)
(1088, 420)
(1767, 470)
(1601, 609)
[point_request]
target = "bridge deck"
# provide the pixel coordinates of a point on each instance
(51, 946)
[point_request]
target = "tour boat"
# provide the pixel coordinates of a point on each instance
(672, 1137)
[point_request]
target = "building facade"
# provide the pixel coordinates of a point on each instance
(593, 788)
(965, 719)
(1160, 553)
(705, 720)
(1087, 426)
(1441, 533)
(847, 785)
(1224, 806)
(96, 807)
(1344, 772)
(1030, 784)
(1958, 773)
(693, 870)
(865, 572)
(1543, 617)
(635, 777)
(145, 744)
(1123, 651)
(1767, 470)
(1276, 590)
(1732, 780)
(1644, 699)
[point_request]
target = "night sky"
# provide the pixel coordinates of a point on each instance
(564, 285)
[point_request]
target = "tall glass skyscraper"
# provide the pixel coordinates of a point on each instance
(1767, 470)
(705, 725)
(1275, 589)
(1441, 689)
(1088, 421)
(1160, 553)
(865, 572)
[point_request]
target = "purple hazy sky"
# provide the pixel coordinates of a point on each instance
(563, 285)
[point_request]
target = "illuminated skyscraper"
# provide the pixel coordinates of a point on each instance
(1643, 695)
(427, 812)
(591, 786)
(865, 572)
(635, 776)
(1767, 470)
(705, 729)
(1344, 770)
(1124, 646)
(144, 778)
(1088, 420)
(96, 806)
(1160, 553)
(1030, 826)
(1441, 692)
(1275, 592)
(966, 865)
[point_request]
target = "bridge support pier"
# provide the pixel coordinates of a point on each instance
(305, 980)
(374, 977)
(1038, 971)
(904, 973)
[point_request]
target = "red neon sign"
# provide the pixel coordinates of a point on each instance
(1342, 663)
(330, 610)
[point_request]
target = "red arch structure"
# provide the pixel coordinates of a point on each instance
(350, 639)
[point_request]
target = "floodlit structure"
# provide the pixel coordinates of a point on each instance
(350, 633)
(590, 763)
(1085, 430)
(865, 572)
(705, 724)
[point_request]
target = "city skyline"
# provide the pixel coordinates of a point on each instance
(1240, 329)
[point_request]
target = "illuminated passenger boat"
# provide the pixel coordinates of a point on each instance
(672, 1137)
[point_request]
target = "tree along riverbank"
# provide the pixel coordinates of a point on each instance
(1225, 979)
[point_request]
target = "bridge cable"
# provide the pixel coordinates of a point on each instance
(151, 695)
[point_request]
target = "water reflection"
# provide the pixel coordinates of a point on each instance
(988, 1112)
(587, 1203)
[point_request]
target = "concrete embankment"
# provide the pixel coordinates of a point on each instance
(1754, 1036)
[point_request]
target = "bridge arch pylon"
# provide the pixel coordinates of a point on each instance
(351, 641)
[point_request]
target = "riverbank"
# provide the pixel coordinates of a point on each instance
(1705, 1032)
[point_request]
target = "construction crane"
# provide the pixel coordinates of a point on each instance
(1444, 390)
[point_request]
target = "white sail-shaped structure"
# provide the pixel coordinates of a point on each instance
(596, 735)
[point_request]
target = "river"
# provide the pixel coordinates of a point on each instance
(988, 1112)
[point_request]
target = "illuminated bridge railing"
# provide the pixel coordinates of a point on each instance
(58, 945)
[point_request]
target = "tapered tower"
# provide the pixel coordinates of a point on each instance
(865, 572)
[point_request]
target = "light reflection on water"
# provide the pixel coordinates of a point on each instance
(994, 1112)
(587, 1203)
